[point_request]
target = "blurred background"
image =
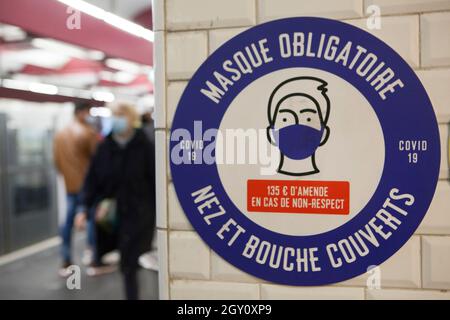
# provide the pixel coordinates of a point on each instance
(52, 55)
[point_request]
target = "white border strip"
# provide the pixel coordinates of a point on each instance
(28, 251)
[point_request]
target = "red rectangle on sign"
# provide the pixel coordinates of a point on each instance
(298, 196)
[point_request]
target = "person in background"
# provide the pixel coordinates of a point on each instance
(121, 185)
(73, 149)
(148, 125)
(149, 260)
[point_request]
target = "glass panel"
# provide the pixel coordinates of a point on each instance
(26, 146)
(30, 192)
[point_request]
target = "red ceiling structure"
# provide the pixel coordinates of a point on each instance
(39, 97)
(145, 18)
(48, 18)
(74, 65)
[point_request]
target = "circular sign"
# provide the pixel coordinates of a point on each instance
(305, 151)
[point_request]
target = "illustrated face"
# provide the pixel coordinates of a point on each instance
(298, 110)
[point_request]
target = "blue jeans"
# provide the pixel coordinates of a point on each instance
(66, 230)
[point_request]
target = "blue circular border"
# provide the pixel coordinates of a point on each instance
(407, 114)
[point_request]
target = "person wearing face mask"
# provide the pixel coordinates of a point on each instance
(120, 185)
(298, 112)
(73, 148)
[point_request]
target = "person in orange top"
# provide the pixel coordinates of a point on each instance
(73, 148)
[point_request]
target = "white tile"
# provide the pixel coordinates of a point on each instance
(177, 217)
(159, 14)
(437, 219)
(274, 292)
(436, 262)
(435, 39)
(211, 290)
(342, 9)
(396, 294)
(189, 256)
(163, 260)
(159, 61)
(408, 6)
(161, 178)
(186, 51)
(444, 136)
(402, 270)
(436, 83)
(174, 91)
(401, 33)
(223, 271)
(201, 14)
(218, 37)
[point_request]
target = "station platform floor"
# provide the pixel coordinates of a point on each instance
(36, 277)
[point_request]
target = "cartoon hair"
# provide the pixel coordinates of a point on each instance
(310, 87)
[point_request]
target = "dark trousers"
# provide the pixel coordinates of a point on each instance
(131, 284)
(134, 240)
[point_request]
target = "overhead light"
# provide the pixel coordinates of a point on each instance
(12, 33)
(94, 55)
(119, 77)
(103, 96)
(49, 89)
(30, 86)
(111, 18)
(123, 65)
(123, 77)
(67, 49)
(15, 84)
(107, 76)
(43, 88)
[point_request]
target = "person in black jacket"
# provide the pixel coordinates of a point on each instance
(122, 173)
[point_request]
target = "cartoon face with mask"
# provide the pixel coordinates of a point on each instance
(298, 112)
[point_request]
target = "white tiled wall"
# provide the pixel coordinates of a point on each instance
(174, 91)
(400, 271)
(177, 218)
(435, 39)
(409, 6)
(273, 292)
(210, 290)
(436, 82)
(437, 220)
(436, 262)
(188, 256)
(180, 64)
(201, 14)
(223, 271)
(189, 30)
(217, 37)
(405, 40)
(275, 9)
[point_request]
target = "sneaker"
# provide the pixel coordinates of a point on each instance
(111, 258)
(149, 261)
(88, 257)
(64, 271)
(99, 270)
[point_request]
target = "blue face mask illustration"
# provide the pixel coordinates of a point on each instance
(119, 125)
(297, 141)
